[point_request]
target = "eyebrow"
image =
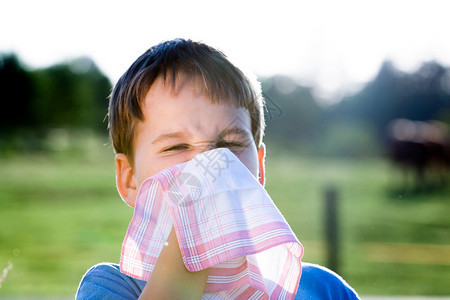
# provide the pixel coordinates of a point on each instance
(234, 130)
(171, 135)
(181, 134)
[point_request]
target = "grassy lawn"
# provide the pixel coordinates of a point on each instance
(60, 214)
(392, 241)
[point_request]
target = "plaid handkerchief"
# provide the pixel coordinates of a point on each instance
(224, 220)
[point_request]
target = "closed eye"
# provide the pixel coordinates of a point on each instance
(234, 146)
(228, 144)
(178, 147)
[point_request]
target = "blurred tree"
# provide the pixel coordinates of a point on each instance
(297, 119)
(356, 125)
(16, 95)
(72, 94)
(420, 96)
(66, 95)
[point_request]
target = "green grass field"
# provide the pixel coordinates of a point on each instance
(60, 214)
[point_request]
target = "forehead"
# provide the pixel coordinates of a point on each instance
(185, 106)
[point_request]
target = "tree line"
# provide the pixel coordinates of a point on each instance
(74, 95)
(69, 95)
(357, 125)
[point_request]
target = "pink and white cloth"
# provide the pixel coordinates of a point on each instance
(224, 220)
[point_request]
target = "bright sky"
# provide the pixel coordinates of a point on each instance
(335, 45)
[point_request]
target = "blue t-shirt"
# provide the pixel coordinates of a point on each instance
(105, 281)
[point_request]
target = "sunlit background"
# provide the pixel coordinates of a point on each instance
(334, 45)
(357, 106)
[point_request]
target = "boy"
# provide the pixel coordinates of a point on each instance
(181, 98)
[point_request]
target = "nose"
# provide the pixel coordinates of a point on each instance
(204, 146)
(209, 146)
(201, 147)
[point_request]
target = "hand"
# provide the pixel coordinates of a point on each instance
(170, 279)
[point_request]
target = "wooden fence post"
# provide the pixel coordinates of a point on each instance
(331, 228)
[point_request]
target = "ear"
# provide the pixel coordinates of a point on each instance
(125, 179)
(261, 158)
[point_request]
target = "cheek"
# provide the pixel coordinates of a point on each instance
(152, 166)
(250, 159)
(146, 167)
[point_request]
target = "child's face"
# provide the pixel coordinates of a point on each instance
(179, 125)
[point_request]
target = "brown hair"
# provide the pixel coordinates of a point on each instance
(223, 82)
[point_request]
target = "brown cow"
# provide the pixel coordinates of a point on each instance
(423, 147)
